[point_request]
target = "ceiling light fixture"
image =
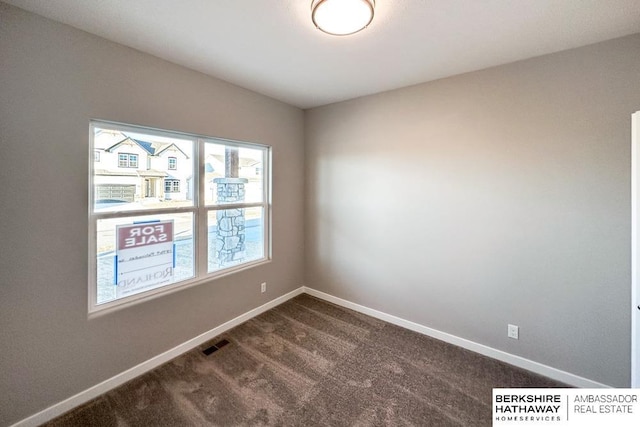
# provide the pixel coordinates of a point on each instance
(342, 17)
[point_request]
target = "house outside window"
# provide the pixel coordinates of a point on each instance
(212, 197)
(173, 163)
(127, 160)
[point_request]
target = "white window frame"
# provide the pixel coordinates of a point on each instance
(199, 211)
(173, 160)
(174, 185)
(128, 161)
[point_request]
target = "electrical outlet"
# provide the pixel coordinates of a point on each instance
(263, 287)
(512, 331)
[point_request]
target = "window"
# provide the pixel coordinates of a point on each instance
(126, 160)
(171, 186)
(96, 156)
(173, 163)
(236, 204)
(213, 220)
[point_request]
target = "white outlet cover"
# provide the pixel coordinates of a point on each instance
(512, 331)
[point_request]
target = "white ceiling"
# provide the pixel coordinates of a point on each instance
(271, 47)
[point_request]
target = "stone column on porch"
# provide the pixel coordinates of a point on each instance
(230, 237)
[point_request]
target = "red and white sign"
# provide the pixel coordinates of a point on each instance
(145, 257)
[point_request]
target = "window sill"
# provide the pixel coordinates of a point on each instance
(112, 306)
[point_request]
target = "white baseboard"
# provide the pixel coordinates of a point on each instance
(521, 362)
(113, 382)
(119, 379)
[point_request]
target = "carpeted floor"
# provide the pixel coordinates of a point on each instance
(311, 363)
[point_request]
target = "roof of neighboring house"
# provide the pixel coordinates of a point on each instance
(153, 148)
(151, 173)
(147, 146)
(115, 173)
(168, 146)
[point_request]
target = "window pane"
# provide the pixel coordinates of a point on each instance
(233, 174)
(141, 253)
(133, 168)
(236, 236)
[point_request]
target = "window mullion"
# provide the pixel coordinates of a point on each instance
(266, 199)
(201, 216)
(224, 206)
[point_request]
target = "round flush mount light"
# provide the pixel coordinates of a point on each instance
(342, 17)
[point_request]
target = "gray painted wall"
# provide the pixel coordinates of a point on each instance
(494, 197)
(53, 79)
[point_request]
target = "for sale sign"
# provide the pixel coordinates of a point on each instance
(145, 258)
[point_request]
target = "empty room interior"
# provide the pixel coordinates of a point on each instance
(373, 228)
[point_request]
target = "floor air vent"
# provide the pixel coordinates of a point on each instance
(217, 346)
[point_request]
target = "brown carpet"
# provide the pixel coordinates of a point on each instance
(309, 363)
